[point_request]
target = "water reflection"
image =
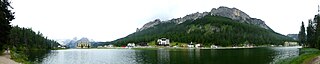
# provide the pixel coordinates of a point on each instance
(283, 53)
(191, 56)
(169, 56)
(36, 56)
(197, 55)
(91, 56)
(163, 56)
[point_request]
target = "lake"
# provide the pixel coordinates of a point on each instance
(265, 55)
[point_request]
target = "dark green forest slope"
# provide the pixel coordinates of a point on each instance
(207, 30)
(27, 39)
(24, 42)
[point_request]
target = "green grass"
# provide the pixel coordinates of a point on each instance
(145, 48)
(61, 48)
(1, 52)
(175, 43)
(152, 43)
(21, 58)
(307, 54)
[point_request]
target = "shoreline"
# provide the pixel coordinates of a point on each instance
(182, 47)
(306, 56)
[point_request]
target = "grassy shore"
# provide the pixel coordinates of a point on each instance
(307, 55)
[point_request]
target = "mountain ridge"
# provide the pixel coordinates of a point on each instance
(223, 11)
(222, 26)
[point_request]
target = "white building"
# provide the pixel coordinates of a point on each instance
(291, 44)
(83, 44)
(190, 45)
(163, 42)
(110, 45)
(131, 45)
(198, 45)
(214, 46)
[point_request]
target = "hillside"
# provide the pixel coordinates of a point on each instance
(24, 39)
(223, 26)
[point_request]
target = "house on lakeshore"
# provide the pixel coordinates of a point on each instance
(83, 43)
(198, 45)
(110, 45)
(291, 43)
(163, 42)
(214, 46)
(190, 45)
(106, 46)
(131, 45)
(60, 46)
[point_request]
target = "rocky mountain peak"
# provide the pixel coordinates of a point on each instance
(150, 24)
(232, 13)
(238, 15)
(192, 16)
(84, 39)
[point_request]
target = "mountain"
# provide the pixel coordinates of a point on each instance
(233, 13)
(222, 26)
(72, 43)
(293, 36)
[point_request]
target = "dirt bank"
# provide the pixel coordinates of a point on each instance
(5, 59)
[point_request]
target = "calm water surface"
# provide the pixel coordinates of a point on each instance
(169, 56)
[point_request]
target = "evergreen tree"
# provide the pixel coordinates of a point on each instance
(317, 31)
(302, 35)
(27, 39)
(310, 34)
(5, 17)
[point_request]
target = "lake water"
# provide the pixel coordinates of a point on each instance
(266, 55)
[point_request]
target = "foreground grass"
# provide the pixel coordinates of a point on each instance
(21, 58)
(306, 56)
(27, 56)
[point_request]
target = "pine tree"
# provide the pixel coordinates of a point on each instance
(5, 17)
(302, 35)
(317, 31)
(310, 34)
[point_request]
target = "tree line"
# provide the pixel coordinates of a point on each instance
(24, 43)
(312, 38)
(27, 39)
(5, 17)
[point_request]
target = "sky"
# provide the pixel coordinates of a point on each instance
(107, 20)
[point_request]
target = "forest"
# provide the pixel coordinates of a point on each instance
(23, 42)
(311, 38)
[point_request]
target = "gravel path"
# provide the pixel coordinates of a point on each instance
(315, 60)
(5, 59)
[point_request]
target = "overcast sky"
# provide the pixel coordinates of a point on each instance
(107, 20)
